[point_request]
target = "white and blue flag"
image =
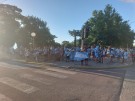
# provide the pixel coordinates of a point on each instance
(80, 56)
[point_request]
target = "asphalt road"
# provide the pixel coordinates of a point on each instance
(21, 82)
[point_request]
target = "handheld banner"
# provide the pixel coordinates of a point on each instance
(80, 56)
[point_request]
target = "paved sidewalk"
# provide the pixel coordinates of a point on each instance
(128, 89)
(91, 64)
(77, 64)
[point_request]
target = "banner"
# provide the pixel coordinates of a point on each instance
(80, 56)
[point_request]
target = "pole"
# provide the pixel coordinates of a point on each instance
(83, 37)
(33, 43)
(82, 42)
(75, 41)
(127, 46)
(33, 36)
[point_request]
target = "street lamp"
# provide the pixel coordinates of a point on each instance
(33, 36)
(134, 42)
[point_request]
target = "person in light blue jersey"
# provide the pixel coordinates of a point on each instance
(72, 54)
(96, 51)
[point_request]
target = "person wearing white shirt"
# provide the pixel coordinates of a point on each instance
(125, 55)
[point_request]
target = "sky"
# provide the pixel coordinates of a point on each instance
(64, 15)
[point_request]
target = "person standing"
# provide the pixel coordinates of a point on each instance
(85, 60)
(125, 55)
(27, 54)
(96, 51)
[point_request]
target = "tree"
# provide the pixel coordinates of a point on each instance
(34, 24)
(74, 33)
(107, 27)
(14, 27)
(9, 16)
(67, 44)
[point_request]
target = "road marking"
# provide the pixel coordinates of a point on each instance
(4, 98)
(51, 74)
(37, 79)
(10, 66)
(61, 71)
(5, 65)
(18, 85)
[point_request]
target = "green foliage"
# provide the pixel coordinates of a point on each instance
(67, 44)
(108, 28)
(74, 33)
(14, 27)
(38, 26)
(9, 26)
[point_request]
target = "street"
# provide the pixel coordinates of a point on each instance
(26, 83)
(51, 53)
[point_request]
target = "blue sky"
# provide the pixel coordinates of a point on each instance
(64, 15)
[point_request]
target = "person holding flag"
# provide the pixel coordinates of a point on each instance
(82, 56)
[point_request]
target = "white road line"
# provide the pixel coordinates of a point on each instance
(5, 65)
(61, 71)
(51, 74)
(10, 66)
(4, 98)
(37, 79)
(18, 85)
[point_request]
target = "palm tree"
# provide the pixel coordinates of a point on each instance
(74, 33)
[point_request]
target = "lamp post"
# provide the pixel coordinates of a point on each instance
(134, 42)
(33, 36)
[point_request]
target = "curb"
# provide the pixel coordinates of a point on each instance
(80, 70)
(72, 67)
(86, 67)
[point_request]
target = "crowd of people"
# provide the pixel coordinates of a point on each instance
(98, 54)
(94, 53)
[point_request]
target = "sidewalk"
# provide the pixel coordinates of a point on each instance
(77, 64)
(128, 89)
(91, 64)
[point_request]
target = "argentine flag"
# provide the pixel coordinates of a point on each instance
(80, 56)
